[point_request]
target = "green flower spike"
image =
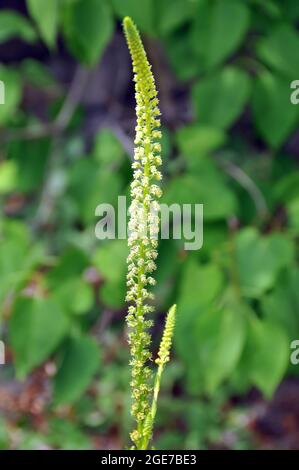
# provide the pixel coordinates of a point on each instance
(143, 234)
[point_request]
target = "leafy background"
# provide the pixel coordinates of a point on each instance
(224, 69)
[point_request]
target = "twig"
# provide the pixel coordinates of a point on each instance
(248, 184)
(63, 118)
(50, 191)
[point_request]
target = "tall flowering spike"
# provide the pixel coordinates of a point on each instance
(143, 227)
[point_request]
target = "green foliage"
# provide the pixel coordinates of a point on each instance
(79, 363)
(46, 16)
(12, 24)
(88, 26)
(220, 99)
(260, 259)
(37, 326)
(13, 93)
(224, 69)
(218, 30)
(274, 118)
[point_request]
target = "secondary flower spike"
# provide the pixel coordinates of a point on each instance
(143, 229)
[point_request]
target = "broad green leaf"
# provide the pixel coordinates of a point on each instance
(142, 13)
(287, 187)
(80, 362)
(293, 215)
(88, 27)
(110, 259)
(280, 50)
(196, 140)
(36, 328)
(113, 293)
(31, 157)
(173, 14)
(69, 265)
(107, 149)
(274, 115)
(12, 93)
(18, 256)
(46, 16)
(91, 185)
(207, 188)
(12, 24)
(260, 259)
(8, 173)
(219, 29)
(219, 99)
(206, 280)
(181, 57)
(266, 355)
(221, 336)
(281, 306)
(75, 296)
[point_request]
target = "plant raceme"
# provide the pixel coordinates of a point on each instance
(142, 240)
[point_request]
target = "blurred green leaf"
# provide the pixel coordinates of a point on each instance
(37, 73)
(274, 115)
(113, 293)
(142, 13)
(266, 355)
(107, 148)
(69, 265)
(46, 16)
(181, 57)
(281, 306)
(287, 187)
(260, 259)
(219, 29)
(219, 99)
(31, 157)
(208, 281)
(221, 336)
(36, 328)
(8, 173)
(91, 185)
(110, 259)
(12, 93)
(17, 256)
(80, 362)
(293, 215)
(75, 295)
(196, 140)
(13, 24)
(88, 27)
(4, 438)
(207, 188)
(280, 50)
(67, 435)
(171, 15)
